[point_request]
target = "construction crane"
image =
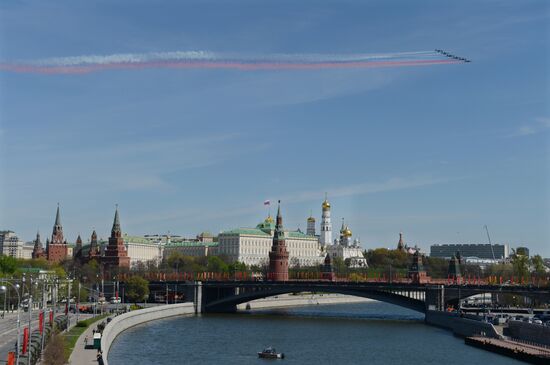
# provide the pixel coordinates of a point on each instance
(490, 244)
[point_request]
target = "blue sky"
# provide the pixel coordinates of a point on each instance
(436, 152)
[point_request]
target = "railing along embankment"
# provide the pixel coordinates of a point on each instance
(124, 321)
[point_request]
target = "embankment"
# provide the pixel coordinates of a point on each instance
(124, 321)
(287, 300)
(529, 332)
(463, 326)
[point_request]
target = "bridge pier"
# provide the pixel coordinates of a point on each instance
(197, 297)
(435, 298)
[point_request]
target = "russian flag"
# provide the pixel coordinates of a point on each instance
(267, 202)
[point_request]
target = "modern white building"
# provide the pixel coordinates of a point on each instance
(141, 249)
(191, 248)
(252, 245)
(348, 249)
(11, 245)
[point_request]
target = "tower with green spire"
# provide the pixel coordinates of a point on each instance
(57, 248)
(278, 256)
(116, 256)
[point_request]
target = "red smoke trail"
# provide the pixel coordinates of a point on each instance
(235, 65)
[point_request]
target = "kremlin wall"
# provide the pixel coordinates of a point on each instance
(249, 245)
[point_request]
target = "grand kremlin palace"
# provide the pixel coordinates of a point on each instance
(252, 245)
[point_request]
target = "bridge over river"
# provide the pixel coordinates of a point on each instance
(224, 296)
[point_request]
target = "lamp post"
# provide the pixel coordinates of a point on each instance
(69, 282)
(44, 305)
(5, 296)
(54, 299)
(4, 288)
(30, 321)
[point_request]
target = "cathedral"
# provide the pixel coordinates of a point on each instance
(344, 247)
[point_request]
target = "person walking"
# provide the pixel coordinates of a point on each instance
(99, 357)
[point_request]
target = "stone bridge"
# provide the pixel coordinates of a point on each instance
(224, 296)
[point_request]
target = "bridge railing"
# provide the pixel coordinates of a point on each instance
(338, 277)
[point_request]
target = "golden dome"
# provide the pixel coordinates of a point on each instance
(347, 232)
(326, 204)
(269, 219)
(311, 219)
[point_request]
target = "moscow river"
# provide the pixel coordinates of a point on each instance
(360, 333)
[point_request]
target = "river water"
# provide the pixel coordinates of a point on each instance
(360, 333)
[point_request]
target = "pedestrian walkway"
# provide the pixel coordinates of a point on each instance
(82, 355)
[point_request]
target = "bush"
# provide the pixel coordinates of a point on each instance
(134, 307)
(54, 354)
(81, 324)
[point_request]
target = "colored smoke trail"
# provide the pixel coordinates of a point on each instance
(208, 60)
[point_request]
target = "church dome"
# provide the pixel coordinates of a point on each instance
(269, 219)
(347, 232)
(326, 204)
(311, 219)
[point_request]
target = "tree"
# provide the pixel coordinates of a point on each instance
(180, 262)
(216, 264)
(137, 289)
(538, 265)
(339, 266)
(88, 272)
(520, 265)
(54, 354)
(8, 265)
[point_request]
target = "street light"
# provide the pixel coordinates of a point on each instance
(16, 287)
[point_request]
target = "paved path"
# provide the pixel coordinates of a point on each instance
(82, 355)
(514, 346)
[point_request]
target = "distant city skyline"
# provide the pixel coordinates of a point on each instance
(436, 152)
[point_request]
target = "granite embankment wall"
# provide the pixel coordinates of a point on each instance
(124, 321)
(529, 332)
(287, 300)
(461, 326)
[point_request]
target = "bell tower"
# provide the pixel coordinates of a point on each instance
(325, 237)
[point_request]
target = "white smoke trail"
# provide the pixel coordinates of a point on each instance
(136, 58)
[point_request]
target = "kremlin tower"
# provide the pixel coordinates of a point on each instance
(326, 226)
(116, 255)
(77, 252)
(94, 251)
(57, 247)
(38, 250)
(278, 256)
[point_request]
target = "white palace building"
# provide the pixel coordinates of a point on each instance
(252, 245)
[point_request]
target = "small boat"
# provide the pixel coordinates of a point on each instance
(270, 353)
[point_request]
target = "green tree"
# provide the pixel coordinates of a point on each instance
(520, 265)
(8, 265)
(436, 267)
(339, 266)
(180, 262)
(538, 265)
(137, 289)
(216, 264)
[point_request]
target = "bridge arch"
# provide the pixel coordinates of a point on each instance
(227, 302)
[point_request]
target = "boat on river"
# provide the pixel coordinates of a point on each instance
(270, 353)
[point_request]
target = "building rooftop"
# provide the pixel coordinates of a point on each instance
(191, 244)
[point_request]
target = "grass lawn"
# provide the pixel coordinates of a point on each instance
(74, 333)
